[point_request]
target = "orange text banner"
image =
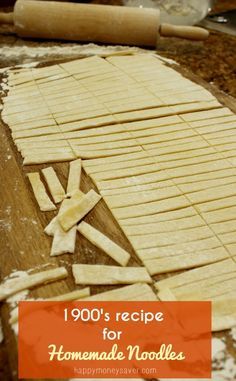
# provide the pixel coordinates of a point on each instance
(114, 339)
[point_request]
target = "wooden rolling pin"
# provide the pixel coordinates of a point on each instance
(97, 23)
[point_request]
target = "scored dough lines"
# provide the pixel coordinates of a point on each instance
(183, 132)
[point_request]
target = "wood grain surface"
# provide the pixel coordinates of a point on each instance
(25, 246)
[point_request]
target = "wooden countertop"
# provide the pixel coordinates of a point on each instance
(213, 60)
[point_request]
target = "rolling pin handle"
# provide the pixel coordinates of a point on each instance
(181, 31)
(6, 18)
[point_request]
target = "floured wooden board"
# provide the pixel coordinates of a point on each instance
(154, 149)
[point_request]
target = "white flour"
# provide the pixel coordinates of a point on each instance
(30, 55)
(46, 50)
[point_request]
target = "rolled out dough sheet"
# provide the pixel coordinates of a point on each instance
(116, 201)
(117, 165)
(165, 226)
(216, 204)
(203, 115)
(100, 162)
(85, 154)
(216, 175)
(125, 172)
(179, 249)
(212, 194)
(196, 275)
(151, 208)
(134, 180)
(160, 217)
(206, 184)
(150, 164)
(137, 188)
(144, 241)
(185, 261)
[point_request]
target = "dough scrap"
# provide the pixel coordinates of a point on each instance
(12, 287)
(49, 158)
(73, 182)
(73, 214)
(54, 224)
(104, 243)
(54, 185)
(136, 292)
(63, 242)
(102, 275)
(44, 202)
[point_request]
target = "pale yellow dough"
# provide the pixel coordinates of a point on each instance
(74, 177)
(63, 242)
(185, 261)
(44, 202)
(101, 274)
(12, 287)
(116, 201)
(104, 243)
(135, 292)
(54, 185)
(151, 208)
(73, 214)
(194, 276)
